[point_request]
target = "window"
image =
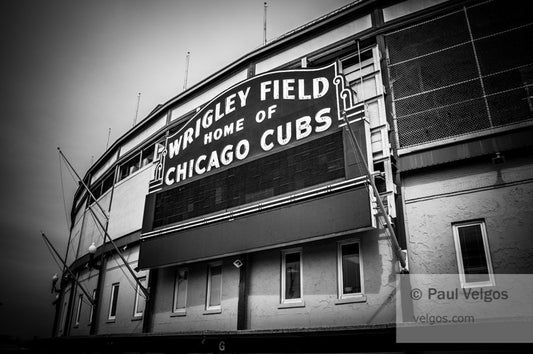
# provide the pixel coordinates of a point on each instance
(214, 286)
(130, 166)
(139, 160)
(113, 302)
(91, 314)
(473, 256)
(140, 300)
(102, 187)
(350, 270)
(148, 155)
(180, 291)
(291, 276)
(78, 310)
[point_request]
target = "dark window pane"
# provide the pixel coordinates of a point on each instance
(215, 285)
(148, 155)
(130, 166)
(113, 311)
(181, 291)
(351, 276)
(108, 182)
(292, 276)
(473, 253)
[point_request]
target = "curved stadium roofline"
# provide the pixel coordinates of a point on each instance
(275, 44)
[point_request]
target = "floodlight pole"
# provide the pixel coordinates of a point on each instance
(106, 234)
(47, 241)
(357, 149)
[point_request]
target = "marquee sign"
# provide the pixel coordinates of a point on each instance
(257, 116)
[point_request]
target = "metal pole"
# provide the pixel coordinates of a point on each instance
(47, 241)
(108, 136)
(187, 59)
(137, 110)
(396, 247)
(83, 183)
(265, 25)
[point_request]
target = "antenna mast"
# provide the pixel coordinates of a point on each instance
(108, 135)
(137, 110)
(186, 70)
(265, 25)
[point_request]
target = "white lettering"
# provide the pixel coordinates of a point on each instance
(174, 147)
(243, 148)
(226, 157)
(317, 92)
(199, 170)
(213, 161)
(207, 119)
(168, 180)
(301, 90)
(303, 127)
(188, 137)
(321, 118)
(264, 145)
(181, 172)
(264, 89)
(230, 101)
(288, 134)
(271, 110)
(288, 87)
(243, 95)
(260, 116)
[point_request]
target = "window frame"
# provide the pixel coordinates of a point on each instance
(208, 306)
(284, 254)
(175, 309)
(78, 311)
(340, 273)
(138, 296)
(113, 299)
(486, 249)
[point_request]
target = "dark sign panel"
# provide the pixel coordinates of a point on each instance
(258, 116)
(264, 163)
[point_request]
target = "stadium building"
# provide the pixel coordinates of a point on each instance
(242, 209)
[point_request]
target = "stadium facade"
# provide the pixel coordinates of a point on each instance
(247, 215)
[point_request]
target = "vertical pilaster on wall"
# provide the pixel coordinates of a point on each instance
(242, 304)
(97, 296)
(377, 17)
(251, 70)
(70, 305)
(149, 307)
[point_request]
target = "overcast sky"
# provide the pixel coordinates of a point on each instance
(70, 70)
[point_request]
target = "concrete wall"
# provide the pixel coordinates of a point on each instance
(124, 322)
(502, 195)
(128, 203)
(91, 231)
(196, 318)
(320, 294)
